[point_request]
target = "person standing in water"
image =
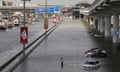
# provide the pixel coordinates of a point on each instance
(62, 63)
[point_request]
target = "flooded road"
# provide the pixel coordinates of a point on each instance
(69, 41)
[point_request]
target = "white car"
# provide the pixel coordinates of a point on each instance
(90, 65)
(16, 22)
(7, 20)
(3, 25)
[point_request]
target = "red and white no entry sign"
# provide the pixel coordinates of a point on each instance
(23, 35)
(54, 20)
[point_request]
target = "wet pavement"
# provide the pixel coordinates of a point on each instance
(69, 41)
(10, 39)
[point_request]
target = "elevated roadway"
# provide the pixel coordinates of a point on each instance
(104, 15)
(20, 8)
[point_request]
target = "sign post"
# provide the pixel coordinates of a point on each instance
(45, 24)
(24, 30)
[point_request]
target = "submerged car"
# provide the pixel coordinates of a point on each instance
(93, 49)
(98, 35)
(90, 65)
(96, 53)
(99, 54)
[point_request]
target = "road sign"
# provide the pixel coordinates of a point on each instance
(57, 9)
(51, 10)
(39, 10)
(23, 35)
(54, 20)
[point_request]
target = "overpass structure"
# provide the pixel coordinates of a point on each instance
(20, 8)
(106, 13)
(8, 9)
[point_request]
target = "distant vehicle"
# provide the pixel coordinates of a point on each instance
(3, 25)
(10, 24)
(16, 22)
(90, 65)
(98, 35)
(8, 21)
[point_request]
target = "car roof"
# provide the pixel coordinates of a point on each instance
(92, 61)
(96, 62)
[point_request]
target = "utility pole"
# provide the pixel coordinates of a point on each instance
(46, 18)
(24, 30)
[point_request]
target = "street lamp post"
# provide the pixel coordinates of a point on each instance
(24, 11)
(24, 30)
(46, 7)
(24, 26)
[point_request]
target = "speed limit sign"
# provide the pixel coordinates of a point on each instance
(23, 35)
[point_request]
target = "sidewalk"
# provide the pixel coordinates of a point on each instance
(69, 41)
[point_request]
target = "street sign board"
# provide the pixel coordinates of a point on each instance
(23, 35)
(39, 10)
(51, 10)
(57, 9)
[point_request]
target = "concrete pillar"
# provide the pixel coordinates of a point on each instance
(115, 28)
(107, 26)
(102, 24)
(99, 24)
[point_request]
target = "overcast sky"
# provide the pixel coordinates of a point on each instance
(56, 2)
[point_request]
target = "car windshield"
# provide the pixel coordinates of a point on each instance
(91, 63)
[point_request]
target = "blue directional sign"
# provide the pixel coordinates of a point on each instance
(51, 10)
(57, 9)
(39, 10)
